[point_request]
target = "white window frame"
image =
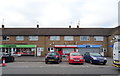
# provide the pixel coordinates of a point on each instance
(19, 38)
(68, 38)
(33, 38)
(7, 38)
(117, 36)
(54, 38)
(84, 38)
(98, 38)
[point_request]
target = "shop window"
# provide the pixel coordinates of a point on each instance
(84, 38)
(19, 38)
(68, 38)
(54, 38)
(98, 38)
(33, 38)
(5, 38)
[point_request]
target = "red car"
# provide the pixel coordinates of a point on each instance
(75, 57)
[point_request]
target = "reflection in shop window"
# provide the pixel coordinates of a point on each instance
(19, 38)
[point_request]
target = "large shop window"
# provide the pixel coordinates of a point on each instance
(33, 38)
(84, 38)
(54, 38)
(68, 38)
(19, 38)
(98, 38)
(5, 38)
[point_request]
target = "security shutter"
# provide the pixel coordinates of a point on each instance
(84, 50)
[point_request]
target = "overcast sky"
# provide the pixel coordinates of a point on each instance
(59, 13)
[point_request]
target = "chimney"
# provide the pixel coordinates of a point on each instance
(2, 26)
(69, 26)
(77, 26)
(37, 26)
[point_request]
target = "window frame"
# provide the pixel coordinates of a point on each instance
(32, 38)
(83, 39)
(7, 37)
(55, 38)
(95, 38)
(68, 39)
(17, 38)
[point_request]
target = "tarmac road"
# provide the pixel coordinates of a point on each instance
(62, 68)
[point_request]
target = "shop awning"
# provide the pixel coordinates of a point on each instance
(65, 46)
(89, 46)
(17, 46)
(81, 46)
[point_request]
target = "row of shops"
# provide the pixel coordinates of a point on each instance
(33, 50)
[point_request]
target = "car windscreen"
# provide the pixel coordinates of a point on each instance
(95, 54)
(75, 54)
(51, 54)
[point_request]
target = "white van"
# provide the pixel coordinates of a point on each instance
(116, 54)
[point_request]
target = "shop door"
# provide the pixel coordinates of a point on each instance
(93, 50)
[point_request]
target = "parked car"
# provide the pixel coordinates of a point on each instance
(95, 58)
(8, 58)
(54, 57)
(75, 57)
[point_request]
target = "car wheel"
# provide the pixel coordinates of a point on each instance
(13, 59)
(58, 61)
(81, 63)
(46, 62)
(91, 61)
(104, 63)
(61, 60)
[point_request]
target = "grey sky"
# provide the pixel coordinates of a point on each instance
(59, 13)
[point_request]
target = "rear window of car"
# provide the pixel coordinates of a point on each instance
(95, 54)
(50, 54)
(75, 54)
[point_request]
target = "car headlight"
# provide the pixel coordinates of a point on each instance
(94, 58)
(105, 58)
(81, 58)
(71, 58)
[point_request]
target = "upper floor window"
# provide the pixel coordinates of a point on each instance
(117, 36)
(56, 38)
(68, 38)
(19, 38)
(5, 38)
(84, 38)
(33, 38)
(98, 38)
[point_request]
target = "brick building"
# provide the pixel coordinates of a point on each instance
(39, 41)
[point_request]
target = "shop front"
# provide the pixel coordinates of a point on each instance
(18, 49)
(65, 49)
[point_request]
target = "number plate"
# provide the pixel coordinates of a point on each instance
(101, 60)
(51, 59)
(76, 60)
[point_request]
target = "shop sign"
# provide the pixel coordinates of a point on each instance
(71, 45)
(95, 46)
(25, 46)
(66, 46)
(59, 46)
